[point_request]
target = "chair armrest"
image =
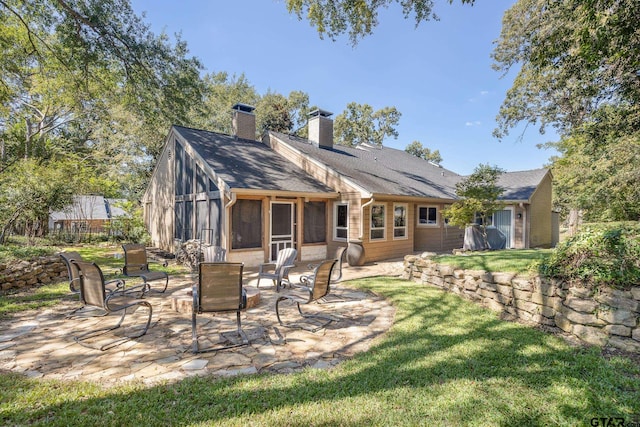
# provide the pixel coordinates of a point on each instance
(262, 266)
(285, 269)
(307, 279)
(164, 264)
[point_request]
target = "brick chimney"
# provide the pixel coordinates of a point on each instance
(321, 128)
(244, 121)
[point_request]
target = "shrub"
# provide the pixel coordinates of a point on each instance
(598, 255)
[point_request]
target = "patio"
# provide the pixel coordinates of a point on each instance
(40, 343)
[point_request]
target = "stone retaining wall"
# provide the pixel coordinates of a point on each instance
(41, 271)
(603, 317)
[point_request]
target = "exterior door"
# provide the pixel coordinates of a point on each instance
(282, 229)
(503, 221)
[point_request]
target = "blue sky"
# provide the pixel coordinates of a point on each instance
(438, 75)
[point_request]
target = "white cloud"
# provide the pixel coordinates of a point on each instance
(476, 123)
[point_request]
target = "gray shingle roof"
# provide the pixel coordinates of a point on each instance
(88, 208)
(520, 186)
(247, 164)
(250, 164)
(382, 170)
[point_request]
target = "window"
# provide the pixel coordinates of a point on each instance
(400, 221)
(377, 222)
(341, 221)
(246, 224)
(427, 216)
(315, 230)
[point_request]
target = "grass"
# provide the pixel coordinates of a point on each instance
(521, 261)
(445, 361)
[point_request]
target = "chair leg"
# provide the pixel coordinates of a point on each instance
(326, 319)
(195, 348)
(92, 334)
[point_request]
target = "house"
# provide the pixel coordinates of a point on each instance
(256, 197)
(86, 214)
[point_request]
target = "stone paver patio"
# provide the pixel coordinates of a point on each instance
(40, 343)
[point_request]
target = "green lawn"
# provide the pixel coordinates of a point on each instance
(445, 361)
(521, 261)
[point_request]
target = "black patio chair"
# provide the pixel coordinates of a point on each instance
(219, 289)
(94, 293)
(137, 265)
(317, 286)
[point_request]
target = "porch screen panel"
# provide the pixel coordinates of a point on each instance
(179, 169)
(201, 219)
(281, 219)
(246, 224)
(188, 220)
(201, 180)
(315, 227)
(179, 221)
(215, 219)
(188, 174)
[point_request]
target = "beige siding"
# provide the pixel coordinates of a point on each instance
(388, 248)
(435, 238)
(541, 230)
(159, 199)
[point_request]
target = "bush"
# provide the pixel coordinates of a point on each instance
(599, 255)
(11, 251)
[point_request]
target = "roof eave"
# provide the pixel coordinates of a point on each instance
(283, 193)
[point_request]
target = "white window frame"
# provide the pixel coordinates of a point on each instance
(405, 227)
(384, 222)
(335, 222)
(419, 224)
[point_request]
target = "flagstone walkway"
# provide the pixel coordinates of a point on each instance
(40, 343)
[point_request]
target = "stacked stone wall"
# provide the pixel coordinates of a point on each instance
(41, 271)
(604, 317)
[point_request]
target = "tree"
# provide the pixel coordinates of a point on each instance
(416, 149)
(28, 191)
(359, 124)
(358, 18)
(221, 92)
(478, 193)
(283, 114)
(88, 79)
(597, 171)
(573, 56)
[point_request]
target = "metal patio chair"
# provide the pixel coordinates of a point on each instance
(317, 287)
(336, 275)
(94, 293)
(278, 272)
(137, 265)
(72, 270)
(219, 289)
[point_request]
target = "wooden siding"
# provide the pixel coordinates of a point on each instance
(159, 199)
(388, 248)
(540, 225)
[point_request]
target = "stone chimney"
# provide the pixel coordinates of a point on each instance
(244, 121)
(321, 128)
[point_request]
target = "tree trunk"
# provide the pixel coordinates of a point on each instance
(574, 221)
